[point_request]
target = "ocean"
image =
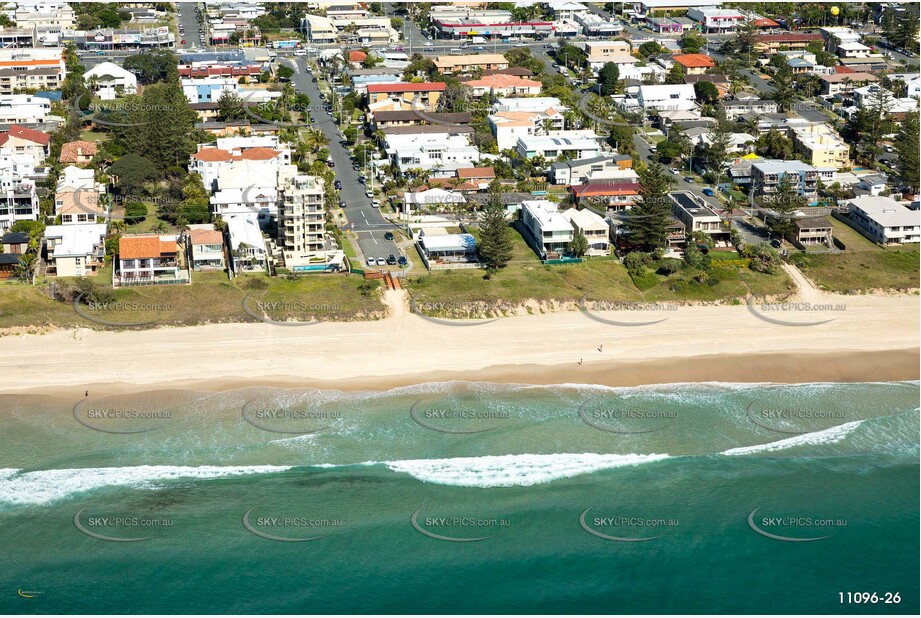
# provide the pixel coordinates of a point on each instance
(464, 498)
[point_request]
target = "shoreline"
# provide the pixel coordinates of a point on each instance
(835, 339)
(788, 368)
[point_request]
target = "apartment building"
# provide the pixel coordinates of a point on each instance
(717, 20)
(507, 127)
(248, 251)
(770, 44)
(503, 85)
(19, 140)
(464, 65)
(822, 146)
(667, 97)
(598, 53)
(578, 144)
(550, 233)
(75, 250)
(884, 220)
(31, 68)
(405, 95)
(766, 175)
(301, 217)
(108, 81)
(593, 170)
(24, 109)
(440, 151)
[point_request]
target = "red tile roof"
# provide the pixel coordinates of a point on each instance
(694, 60)
(134, 247)
(25, 133)
(72, 151)
(594, 190)
(357, 56)
(476, 172)
(406, 87)
(206, 237)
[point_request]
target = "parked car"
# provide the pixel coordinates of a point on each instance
(341, 203)
(381, 262)
(428, 44)
(330, 163)
(183, 42)
(402, 261)
(388, 235)
(674, 171)
(391, 260)
(688, 179)
(709, 191)
(375, 203)
(775, 243)
(338, 184)
(371, 261)
(369, 194)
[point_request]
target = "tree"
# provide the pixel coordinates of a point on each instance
(133, 171)
(675, 74)
(284, 72)
(230, 106)
(783, 93)
(784, 203)
(647, 223)
(135, 212)
(25, 268)
(579, 245)
(692, 43)
(774, 145)
(152, 66)
(607, 78)
(706, 92)
(648, 48)
(907, 147)
(900, 25)
(496, 243)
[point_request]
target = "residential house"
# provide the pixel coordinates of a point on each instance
(207, 245)
(549, 232)
(813, 231)
(25, 141)
(248, 252)
(75, 250)
(148, 259)
(844, 83)
(507, 127)
(25, 109)
(770, 44)
(446, 250)
(667, 97)
(528, 104)
(443, 150)
(717, 20)
(109, 81)
(721, 82)
(884, 220)
(593, 227)
(78, 153)
(613, 195)
(579, 144)
(597, 170)
(694, 64)
(737, 108)
(15, 243)
(696, 216)
(80, 206)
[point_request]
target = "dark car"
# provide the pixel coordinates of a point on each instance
(341, 203)
(391, 260)
(338, 184)
(775, 243)
(402, 261)
(388, 235)
(330, 163)
(314, 80)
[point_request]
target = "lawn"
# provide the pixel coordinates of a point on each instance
(210, 299)
(863, 266)
(466, 294)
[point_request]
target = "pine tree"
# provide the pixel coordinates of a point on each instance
(784, 203)
(783, 93)
(908, 148)
(648, 220)
(496, 243)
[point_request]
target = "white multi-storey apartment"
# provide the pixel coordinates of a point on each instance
(75, 250)
(31, 68)
(430, 151)
(551, 233)
(301, 216)
(884, 220)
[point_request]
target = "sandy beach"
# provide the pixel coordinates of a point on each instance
(868, 338)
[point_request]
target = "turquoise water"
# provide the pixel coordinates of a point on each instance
(683, 466)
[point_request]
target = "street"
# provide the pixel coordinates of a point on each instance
(366, 221)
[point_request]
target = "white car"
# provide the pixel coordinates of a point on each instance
(381, 262)
(369, 193)
(429, 44)
(371, 261)
(301, 52)
(375, 203)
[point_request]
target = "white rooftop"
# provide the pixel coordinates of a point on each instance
(886, 211)
(547, 215)
(244, 228)
(76, 240)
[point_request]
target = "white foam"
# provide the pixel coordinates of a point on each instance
(825, 436)
(45, 486)
(513, 470)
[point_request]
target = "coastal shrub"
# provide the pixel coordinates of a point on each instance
(643, 278)
(799, 259)
(256, 283)
(764, 258)
(669, 266)
(694, 258)
(637, 260)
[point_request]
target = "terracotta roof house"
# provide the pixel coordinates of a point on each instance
(357, 56)
(24, 140)
(79, 152)
(694, 64)
(148, 259)
(207, 248)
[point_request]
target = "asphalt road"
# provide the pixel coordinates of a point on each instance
(190, 24)
(366, 221)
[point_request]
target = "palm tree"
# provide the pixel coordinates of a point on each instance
(161, 227)
(25, 268)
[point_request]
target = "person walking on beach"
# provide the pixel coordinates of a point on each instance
(580, 361)
(86, 394)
